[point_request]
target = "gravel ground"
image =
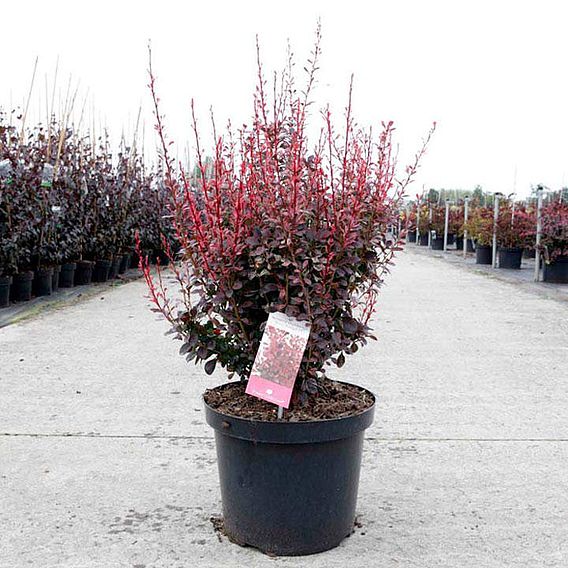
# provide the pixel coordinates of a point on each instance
(105, 460)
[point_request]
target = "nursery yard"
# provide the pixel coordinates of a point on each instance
(105, 459)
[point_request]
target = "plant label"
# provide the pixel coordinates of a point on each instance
(5, 168)
(47, 175)
(278, 359)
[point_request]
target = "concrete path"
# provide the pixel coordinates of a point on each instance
(105, 460)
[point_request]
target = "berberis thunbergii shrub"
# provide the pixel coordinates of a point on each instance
(278, 225)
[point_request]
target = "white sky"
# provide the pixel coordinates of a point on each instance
(493, 74)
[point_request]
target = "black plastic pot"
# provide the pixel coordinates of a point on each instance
(67, 275)
(483, 254)
(411, 237)
(451, 238)
(289, 488)
(438, 243)
(21, 288)
(510, 258)
(101, 270)
(134, 260)
(55, 278)
(423, 240)
(42, 284)
(556, 271)
(529, 253)
(114, 267)
(124, 263)
(83, 272)
(459, 244)
(5, 282)
(162, 257)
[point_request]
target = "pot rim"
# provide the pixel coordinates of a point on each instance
(300, 432)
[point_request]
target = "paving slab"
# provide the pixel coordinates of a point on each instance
(105, 460)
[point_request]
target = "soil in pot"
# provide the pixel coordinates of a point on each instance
(483, 254)
(510, 258)
(21, 288)
(101, 270)
(55, 278)
(5, 282)
(556, 271)
(438, 243)
(42, 283)
(289, 487)
(423, 239)
(124, 263)
(83, 272)
(67, 275)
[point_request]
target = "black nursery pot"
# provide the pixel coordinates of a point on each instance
(21, 288)
(114, 267)
(124, 263)
(529, 253)
(556, 271)
(83, 272)
(483, 254)
(289, 488)
(438, 243)
(43, 281)
(101, 270)
(451, 238)
(5, 282)
(423, 239)
(67, 275)
(510, 258)
(411, 237)
(134, 261)
(55, 278)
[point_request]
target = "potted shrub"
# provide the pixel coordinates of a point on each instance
(423, 225)
(480, 227)
(17, 225)
(436, 226)
(8, 243)
(408, 222)
(554, 242)
(515, 229)
(276, 226)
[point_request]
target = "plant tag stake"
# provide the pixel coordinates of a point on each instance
(278, 359)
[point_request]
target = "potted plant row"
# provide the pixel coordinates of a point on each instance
(554, 242)
(69, 210)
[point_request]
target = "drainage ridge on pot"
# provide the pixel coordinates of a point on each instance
(289, 488)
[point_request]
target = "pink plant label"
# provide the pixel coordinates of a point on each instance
(278, 359)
